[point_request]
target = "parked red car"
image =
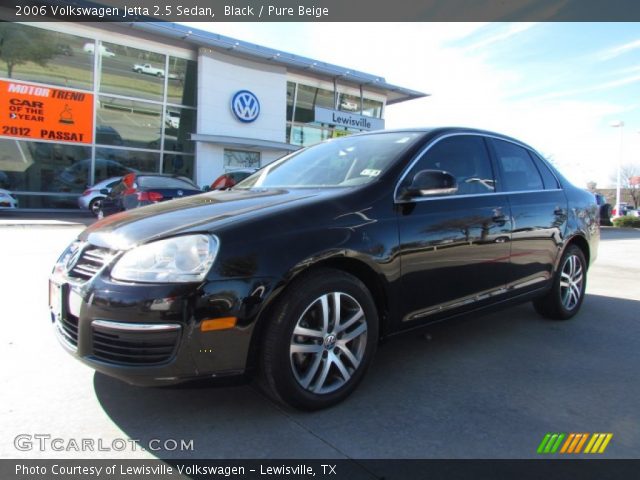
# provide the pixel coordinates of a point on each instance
(229, 179)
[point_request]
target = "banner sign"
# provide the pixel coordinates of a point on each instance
(346, 119)
(45, 113)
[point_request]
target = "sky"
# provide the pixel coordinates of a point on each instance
(556, 86)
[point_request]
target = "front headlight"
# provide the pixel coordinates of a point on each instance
(175, 260)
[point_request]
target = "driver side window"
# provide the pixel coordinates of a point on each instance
(465, 157)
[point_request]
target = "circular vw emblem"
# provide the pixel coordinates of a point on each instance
(329, 341)
(245, 106)
(180, 192)
(73, 259)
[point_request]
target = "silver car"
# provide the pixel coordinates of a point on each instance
(92, 197)
(7, 200)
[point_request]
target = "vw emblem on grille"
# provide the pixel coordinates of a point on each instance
(180, 193)
(73, 259)
(245, 106)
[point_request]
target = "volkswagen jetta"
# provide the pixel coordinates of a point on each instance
(296, 273)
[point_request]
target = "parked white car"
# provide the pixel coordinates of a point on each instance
(148, 69)
(7, 200)
(91, 199)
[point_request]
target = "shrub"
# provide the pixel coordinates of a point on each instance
(627, 221)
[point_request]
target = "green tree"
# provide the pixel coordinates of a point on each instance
(20, 44)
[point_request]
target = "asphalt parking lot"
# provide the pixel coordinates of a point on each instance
(489, 387)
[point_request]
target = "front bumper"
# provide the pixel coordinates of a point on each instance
(151, 334)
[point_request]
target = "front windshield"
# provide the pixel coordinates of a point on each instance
(343, 162)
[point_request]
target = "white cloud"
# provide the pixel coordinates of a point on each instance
(614, 52)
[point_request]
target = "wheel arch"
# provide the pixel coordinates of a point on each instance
(358, 268)
(580, 242)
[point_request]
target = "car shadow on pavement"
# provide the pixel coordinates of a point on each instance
(485, 387)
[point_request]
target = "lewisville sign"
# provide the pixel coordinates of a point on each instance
(345, 119)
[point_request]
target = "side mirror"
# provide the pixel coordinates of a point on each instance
(431, 182)
(104, 191)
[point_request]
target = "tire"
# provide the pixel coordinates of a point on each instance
(95, 205)
(100, 214)
(565, 298)
(308, 365)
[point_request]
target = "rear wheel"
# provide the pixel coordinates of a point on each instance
(322, 338)
(95, 205)
(567, 293)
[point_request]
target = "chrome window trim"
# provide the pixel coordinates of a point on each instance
(425, 149)
(137, 327)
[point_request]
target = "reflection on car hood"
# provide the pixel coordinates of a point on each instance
(202, 212)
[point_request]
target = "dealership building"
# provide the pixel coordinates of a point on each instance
(86, 102)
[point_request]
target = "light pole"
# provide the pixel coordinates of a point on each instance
(618, 124)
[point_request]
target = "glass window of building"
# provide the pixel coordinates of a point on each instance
(178, 165)
(44, 167)
(182, 81)
(131, 72)
(122, 122)
(305, 135)
(116, 162)
(179, 124)
(371, 108)
(37, 55)
(349, 103)
(310, 97)
(234, 159)
(291, 92)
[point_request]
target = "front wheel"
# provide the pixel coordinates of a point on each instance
(322, 337)
(567, 293)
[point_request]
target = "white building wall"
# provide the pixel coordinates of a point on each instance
(220, 76)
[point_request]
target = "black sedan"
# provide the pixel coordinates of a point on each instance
(298, 272)
(140, 189)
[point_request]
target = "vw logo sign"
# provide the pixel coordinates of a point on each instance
(245, 106)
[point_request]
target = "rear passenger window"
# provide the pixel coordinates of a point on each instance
(519, 173)
(550, 181)
(463, 156)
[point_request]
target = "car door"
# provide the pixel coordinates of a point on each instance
(454, 248)
(539, 214)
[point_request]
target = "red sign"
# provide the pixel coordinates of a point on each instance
(45, 113)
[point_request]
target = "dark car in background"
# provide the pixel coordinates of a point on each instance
(297, 272)
(140, 189)
(604, 208)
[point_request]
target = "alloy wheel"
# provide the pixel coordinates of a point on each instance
(328, 343)
(571, 282)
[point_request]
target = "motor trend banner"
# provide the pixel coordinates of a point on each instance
(45, 113)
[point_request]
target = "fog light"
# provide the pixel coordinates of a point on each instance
(222, 323)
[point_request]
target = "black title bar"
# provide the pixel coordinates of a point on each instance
(319, 10)
(582, 469)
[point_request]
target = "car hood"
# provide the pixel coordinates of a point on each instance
(205, 212)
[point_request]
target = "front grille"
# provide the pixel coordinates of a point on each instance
(68, 329)
(134, 347)
(91, 261)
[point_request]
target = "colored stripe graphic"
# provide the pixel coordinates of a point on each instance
(573, 443)
(598, 443)
(551, 442)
